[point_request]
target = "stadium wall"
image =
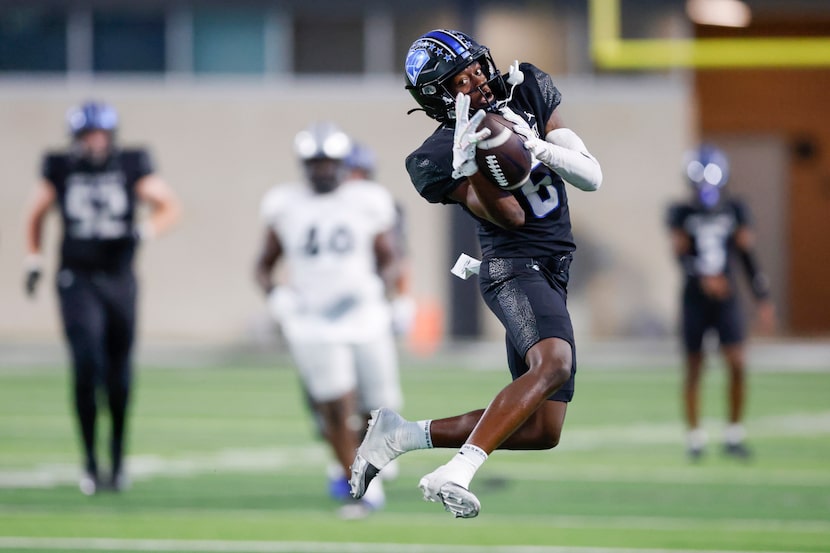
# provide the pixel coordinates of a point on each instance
(222, 145)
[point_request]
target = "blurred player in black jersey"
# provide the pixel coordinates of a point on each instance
(526, 241)
(97, 188)
(709, 233)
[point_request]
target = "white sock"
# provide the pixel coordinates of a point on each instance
(734, 434)
(466, 462)
(375, 496)
(415, 435)
(696, 438)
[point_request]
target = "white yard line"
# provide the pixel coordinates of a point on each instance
(204, 546)
(147, 467)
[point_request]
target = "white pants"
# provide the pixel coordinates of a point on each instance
(331, 370)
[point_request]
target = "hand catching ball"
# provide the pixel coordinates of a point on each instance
(502, 157)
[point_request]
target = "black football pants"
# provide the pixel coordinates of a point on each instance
(98, 311)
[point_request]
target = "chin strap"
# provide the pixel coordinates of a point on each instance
(515, 77)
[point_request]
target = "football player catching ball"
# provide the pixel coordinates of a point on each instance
(527, 246)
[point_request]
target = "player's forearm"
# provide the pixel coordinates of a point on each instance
(571, 160)
(387, 261)
(758, 281)
(164, 204)
(163, 218)
(389, 274)
(263, 278)
(44, 197)
(34, 234)
(498, 206)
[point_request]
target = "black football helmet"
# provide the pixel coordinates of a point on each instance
(436, 57)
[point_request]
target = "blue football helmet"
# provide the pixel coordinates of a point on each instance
(436, 57)
(707, 171)
(91, 116)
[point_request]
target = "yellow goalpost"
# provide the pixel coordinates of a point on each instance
(611, 51)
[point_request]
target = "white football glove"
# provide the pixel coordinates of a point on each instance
(465, 138)
(562, 150)
(520, 126)
(536, 146)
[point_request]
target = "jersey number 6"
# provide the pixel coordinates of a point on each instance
(542, 196)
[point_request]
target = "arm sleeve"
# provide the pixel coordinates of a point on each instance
(758, 280)
(573, 161)
(675, 218)
(569, 156)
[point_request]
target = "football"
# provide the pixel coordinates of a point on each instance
(502, 157)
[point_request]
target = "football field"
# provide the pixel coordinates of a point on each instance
(225, 459)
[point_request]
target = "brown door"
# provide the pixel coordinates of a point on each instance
(759, 175)
(810, 237)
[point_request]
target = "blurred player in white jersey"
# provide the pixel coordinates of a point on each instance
(338, 246)
(362, 165)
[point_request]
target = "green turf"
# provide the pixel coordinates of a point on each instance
(229, 454)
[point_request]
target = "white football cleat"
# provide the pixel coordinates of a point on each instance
(461, 502)
(88, 484)
(458, 500)
(378, 448)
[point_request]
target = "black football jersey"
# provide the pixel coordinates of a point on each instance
(547, 228)
(97, 207)
(712, 234)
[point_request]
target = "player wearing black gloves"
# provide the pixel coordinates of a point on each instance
(97, 188)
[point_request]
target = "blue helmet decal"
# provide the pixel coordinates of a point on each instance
(450, 41)
(415, 61)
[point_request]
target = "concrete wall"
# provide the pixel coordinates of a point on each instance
(222, 145)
